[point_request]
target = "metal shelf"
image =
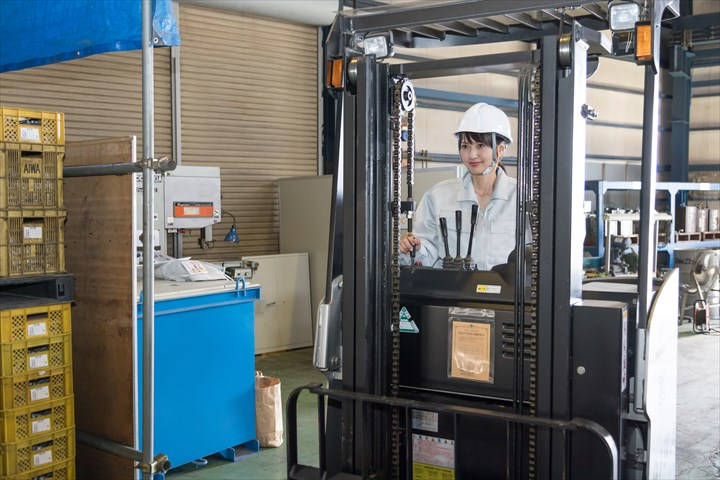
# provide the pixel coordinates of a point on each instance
(601, 187)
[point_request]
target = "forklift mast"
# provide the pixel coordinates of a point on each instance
(551, 402)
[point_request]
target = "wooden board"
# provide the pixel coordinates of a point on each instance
(101, 255)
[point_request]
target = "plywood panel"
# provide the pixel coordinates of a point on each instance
(100, 252)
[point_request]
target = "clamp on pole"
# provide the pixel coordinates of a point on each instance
(160, 464)
(163, 164)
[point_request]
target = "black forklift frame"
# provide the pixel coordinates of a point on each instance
(299, 471)
(359, 247)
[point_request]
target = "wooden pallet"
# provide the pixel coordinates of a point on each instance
(688, 237)
(710, 235)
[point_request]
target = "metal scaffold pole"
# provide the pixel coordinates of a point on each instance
(148, 343)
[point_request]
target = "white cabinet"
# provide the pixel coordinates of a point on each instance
(282, 316)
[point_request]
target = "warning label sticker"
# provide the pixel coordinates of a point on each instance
(407, 324)
(433, 451)
(431, 472)
(433, 458)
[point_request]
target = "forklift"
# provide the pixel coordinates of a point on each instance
(521, 371)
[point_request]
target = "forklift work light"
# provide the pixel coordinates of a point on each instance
(377, 46)
(623, 15)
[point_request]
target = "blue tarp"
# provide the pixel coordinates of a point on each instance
(39, 32)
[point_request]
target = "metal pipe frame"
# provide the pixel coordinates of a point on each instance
(108, 446)
(295, 470)
(147, 462)
(99, 170)
(148, 346)
(162, 165)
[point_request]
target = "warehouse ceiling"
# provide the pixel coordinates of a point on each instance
(697, 33)
(322, 12)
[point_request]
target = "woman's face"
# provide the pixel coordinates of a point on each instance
(476, 156)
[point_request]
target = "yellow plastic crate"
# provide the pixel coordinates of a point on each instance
(35, 388)
(32, 242)
(33, 126)
(31, 175)
(36, 355)
(37, 454)
(30, 422)
(58, 471)
(34, 322)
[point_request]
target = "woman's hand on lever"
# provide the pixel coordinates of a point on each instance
(407, 241)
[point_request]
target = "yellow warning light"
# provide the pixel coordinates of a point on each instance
(643, 42)
(334, 74)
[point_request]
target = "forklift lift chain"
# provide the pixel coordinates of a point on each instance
(403, 101)
(534, 262)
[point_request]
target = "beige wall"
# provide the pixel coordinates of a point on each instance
(614, 90)
(249, 105)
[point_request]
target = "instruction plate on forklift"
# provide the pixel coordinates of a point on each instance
(433, 458)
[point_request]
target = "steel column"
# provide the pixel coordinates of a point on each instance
(681, 73)
(546, 252)
(646, 270)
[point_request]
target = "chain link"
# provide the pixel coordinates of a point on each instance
(402, 102)
(534, 264)
(396, 125)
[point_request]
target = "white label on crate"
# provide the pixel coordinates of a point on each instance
(42, 458)
(38, 361)
(39, 426)
(29, 134)
(39, 393)
(37, 328)
(32, 233)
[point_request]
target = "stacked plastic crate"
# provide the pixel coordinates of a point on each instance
(37, 421)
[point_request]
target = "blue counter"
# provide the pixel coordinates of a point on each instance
(204, 369)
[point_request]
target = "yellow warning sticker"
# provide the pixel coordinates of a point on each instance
(496, 289)
(423, 471)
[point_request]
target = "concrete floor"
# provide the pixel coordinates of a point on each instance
(698, 415)
(698, 405)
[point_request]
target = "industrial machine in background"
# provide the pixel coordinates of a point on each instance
(188, 198)
(214, 319)
(704, 290)
(517, 372)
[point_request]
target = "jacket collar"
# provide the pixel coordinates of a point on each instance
(501, 191)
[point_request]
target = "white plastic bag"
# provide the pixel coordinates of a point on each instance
(187, 270)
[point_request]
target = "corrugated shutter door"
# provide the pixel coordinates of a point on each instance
(100, 95)
(248, 106)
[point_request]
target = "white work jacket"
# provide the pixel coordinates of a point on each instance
(494, 236)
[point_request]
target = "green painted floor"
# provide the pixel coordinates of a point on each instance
(294, 369)
(698, 415)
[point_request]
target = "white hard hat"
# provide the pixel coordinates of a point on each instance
(484, 118)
